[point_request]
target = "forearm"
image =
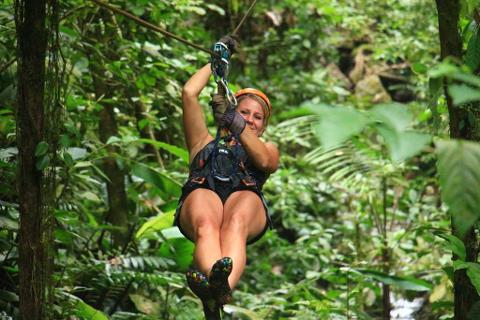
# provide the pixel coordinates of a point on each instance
(197, 82)
(195, 129)
(262, 157)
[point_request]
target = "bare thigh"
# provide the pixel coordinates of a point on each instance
(248, 206)
(202, 206)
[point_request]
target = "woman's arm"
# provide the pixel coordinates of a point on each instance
(194, 126)
(264, 155)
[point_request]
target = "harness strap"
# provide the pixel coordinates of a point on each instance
(206, 170)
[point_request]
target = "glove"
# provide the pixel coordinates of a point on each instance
(219, 105)
(233, 121)
(231, 42)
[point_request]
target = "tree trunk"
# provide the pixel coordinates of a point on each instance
(31, 51)
(146, 132)
(117, 197)
(465, 295)
(117, 213)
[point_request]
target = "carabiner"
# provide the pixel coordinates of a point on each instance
(230, 96)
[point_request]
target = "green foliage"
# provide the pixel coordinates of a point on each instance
(473, 271)
(327, 201)
(467, 91)
(463, 93)
(456, 245)
(85, 311)
(336, 125)
(158, 223)
(156, 178)
(180, 152)
(405, 283)
(458, 163)
(472, 56)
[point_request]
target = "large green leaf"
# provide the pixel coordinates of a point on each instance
(158, 179)
(145, 304)
(403, 145)
(472, 56)
(337, 124)
(473, 272)
(455, 244)
(84, 310)
(160, 222)
(463, 93)
(458, 166)
(172, 233)
(177, 151)
(41, 149)
(178, 249)
(405, 283)
(236, 310)
(393, 115)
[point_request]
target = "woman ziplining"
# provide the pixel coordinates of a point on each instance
(222, 208)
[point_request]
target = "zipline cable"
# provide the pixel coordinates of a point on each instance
(151, 26)
(244, 17)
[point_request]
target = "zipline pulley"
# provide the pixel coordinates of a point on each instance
(220, 65)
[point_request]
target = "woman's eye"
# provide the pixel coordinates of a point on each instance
(243, 112)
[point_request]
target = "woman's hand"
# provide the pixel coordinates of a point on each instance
(219, 105)
(231, 42)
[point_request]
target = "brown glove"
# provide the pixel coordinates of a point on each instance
(231, 42)
(232, 120)
(219, 105)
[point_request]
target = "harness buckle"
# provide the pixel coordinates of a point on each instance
(222, 178)
(249, 182)
(199, 180)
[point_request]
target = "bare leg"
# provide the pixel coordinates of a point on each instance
(201, 218)
(244, 218)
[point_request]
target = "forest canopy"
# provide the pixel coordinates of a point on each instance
(376, 201)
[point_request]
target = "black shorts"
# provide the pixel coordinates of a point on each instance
(223, 190)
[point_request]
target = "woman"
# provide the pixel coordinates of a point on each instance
(222, 208)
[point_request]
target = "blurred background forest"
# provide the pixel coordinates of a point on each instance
(362, 204)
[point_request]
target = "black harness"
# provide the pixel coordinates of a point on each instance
(224, 159)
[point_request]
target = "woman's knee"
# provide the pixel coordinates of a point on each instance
(236, 222)
(206, 227)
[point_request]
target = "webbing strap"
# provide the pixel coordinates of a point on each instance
(235, 154)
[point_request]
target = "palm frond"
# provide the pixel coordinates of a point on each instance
(346, 165)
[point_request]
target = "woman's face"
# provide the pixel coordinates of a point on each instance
(253, 113)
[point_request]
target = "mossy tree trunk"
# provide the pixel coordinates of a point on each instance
(30, 17)
(461, 127)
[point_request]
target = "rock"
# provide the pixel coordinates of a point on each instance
(372, 87)
(335, 72)
(358, 70)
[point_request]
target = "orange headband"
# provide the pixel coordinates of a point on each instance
(259, 94)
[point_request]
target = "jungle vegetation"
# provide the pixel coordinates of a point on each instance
(376, 113)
